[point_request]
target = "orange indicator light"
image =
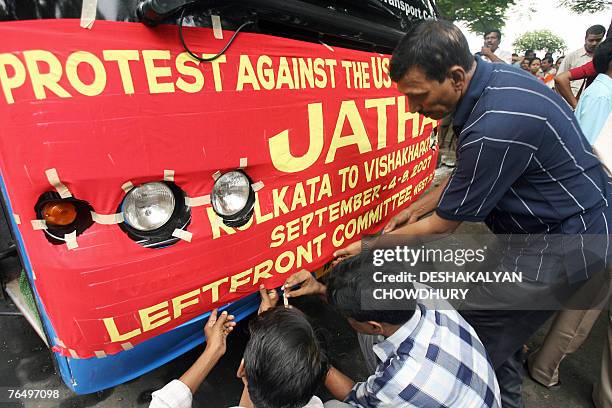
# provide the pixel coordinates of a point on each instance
(59, 213)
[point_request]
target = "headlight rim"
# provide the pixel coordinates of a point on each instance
(161, 236)
(125, 218)
(241, 217)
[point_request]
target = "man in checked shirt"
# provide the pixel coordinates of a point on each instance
(422, 355)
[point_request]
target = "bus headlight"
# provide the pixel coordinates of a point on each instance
(149, 206)
(232, 198)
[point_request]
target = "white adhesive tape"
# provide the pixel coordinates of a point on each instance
(17, 219)
(243, 162)
(257, 186)
(73, 353)
(327, 46)
(127, 186)
(216, 25)
(100, 353)
(88, 13)
(71, 241)
(169, 175)
(39, 224)
(182, 234)
(54, 180)
(197, 201)
(216, 175)
(107, 219)
(127, 346)
(59, 343)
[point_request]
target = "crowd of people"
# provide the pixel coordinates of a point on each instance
(527, 165)
(545, 68)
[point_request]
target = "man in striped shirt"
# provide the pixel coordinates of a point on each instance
(524, 167)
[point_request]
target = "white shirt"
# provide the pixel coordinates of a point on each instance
(501, 54)
(176, 394)
(575, 59)
(603, 143)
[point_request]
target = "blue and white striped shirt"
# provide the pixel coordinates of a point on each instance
(435, 360)
(523, 164)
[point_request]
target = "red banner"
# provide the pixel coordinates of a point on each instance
(322, 128)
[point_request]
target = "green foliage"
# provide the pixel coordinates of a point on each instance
(585, 6)
(539, 40)
(478, 15)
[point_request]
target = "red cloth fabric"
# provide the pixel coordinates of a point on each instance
(584, 71)
(99, 128)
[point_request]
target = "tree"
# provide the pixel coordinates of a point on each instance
(478, 15)
(585, 6)
(539, 40)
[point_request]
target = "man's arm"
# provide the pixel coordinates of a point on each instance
(338, 384)
(473, 191)
(216, 331)
(411, 234)
(563, 86)
(198, 372)
(179, 393)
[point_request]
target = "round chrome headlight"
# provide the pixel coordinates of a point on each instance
(149, 206)
(230, 193)
(232, 198)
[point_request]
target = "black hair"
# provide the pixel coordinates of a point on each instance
(435, 47)
(603, 55)
(597, 29)
(348, 279)
(527, 52)
(549, 59)
(514, 54)
(495, 30)
(284, 361)
(533, 59)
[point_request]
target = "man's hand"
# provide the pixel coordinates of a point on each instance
(346, 252)
(486, 51)
(407, 216)
(216, 330)
(269, 299)
(308, 285)
(418, 209)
